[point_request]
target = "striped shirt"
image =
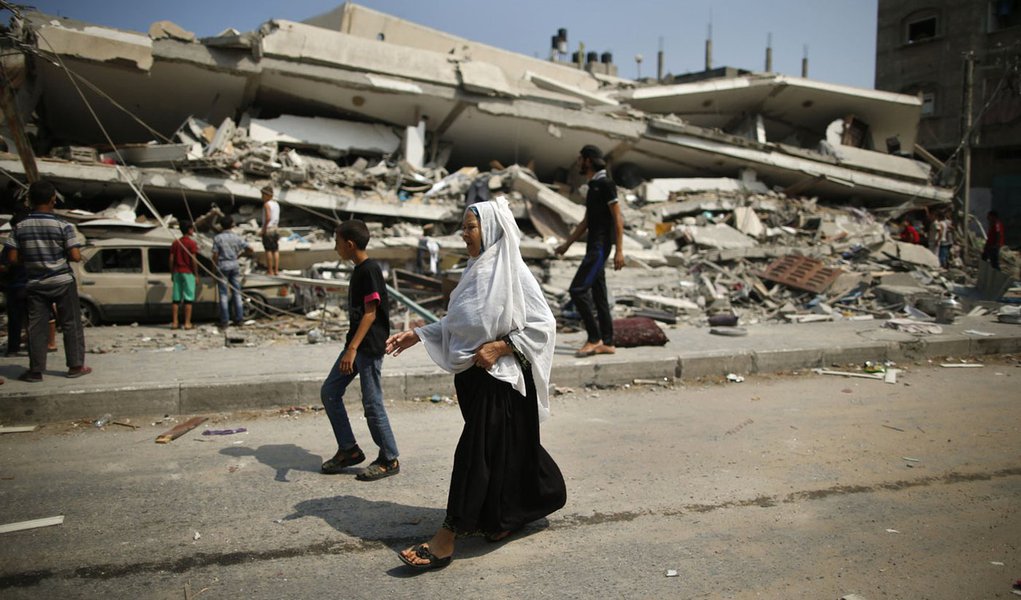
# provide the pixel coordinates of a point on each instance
(43, 241)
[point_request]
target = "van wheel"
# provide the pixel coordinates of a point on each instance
(90, 314)
(253, 306)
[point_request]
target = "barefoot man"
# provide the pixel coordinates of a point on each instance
(605, 227)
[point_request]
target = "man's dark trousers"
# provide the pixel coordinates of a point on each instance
(588, 291)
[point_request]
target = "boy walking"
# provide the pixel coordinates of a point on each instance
(184, 269)
(368, 307)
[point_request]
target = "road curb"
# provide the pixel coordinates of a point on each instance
(765, 352)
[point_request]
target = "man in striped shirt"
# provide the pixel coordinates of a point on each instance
(43, 244)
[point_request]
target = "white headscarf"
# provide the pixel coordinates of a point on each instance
(497, 296)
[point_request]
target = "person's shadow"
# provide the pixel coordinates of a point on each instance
(281, 457)
(394, 525)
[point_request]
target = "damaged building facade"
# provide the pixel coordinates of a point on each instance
(359, 113)
(962, 57)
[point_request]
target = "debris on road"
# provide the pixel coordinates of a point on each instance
(18, 429)
(224, 431)
(33, 524)
(172, 434)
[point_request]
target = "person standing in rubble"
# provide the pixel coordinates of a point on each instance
(227, 247)
(908, 233)
(184, 270)
(944, 238)
(605, 226)
(44, 244)
(270, 235)
(497, 337)
(995, 237)
(427, 258)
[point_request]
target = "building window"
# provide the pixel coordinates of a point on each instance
(920, 28)
(928, 103)
(1004, 14)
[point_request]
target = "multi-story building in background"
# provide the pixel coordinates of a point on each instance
(922, 47)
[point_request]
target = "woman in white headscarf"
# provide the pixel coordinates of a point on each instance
(497, 337)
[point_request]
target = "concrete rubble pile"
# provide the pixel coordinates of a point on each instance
(752, 196)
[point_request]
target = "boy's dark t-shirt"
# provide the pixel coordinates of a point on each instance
(367, 284)
(601, 194)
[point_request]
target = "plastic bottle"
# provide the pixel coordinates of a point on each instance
(102, 421)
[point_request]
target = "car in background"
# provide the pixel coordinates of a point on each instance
(125, 280)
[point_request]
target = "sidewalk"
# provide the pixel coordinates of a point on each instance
(226, 379)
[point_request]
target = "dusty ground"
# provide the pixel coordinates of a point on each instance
(147, 337)
(778, 487)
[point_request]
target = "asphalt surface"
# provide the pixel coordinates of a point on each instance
(800, 486)
(235, 377)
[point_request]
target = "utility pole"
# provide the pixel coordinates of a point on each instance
(966, 124)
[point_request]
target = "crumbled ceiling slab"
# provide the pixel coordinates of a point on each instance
(659, 190)
(785, 102)
(91, 42)
(349, 136)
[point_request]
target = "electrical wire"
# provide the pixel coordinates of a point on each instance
(99, 123)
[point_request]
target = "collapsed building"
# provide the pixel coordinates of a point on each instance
(359, 113)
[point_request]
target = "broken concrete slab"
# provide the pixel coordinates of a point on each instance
(712, 203)
(719, 235)
(747, 222)
(485, 78)
(909, 253)
(346, 136)
(91, 42)
(556, 85)
(168, 29)
(660, 190)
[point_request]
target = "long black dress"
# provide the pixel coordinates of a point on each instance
(502, 477)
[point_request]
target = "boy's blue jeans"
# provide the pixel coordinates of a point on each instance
(368, 370)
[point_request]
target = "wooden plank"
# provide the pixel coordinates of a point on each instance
(19, 429)
(172, 434)
(877, 376)
(33, 524)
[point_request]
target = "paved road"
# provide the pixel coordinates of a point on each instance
(778, 487)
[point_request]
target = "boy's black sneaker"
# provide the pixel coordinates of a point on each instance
(343, 459)
(378, 469)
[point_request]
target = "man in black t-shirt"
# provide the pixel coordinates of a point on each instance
(605, 227)
(368, 307)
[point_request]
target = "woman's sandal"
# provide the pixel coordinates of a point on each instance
(422, 551)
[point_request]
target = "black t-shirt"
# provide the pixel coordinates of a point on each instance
(601, 194)
(367, 285)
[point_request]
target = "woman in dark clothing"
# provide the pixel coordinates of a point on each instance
(498, 337)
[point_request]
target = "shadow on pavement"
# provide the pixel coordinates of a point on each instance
(397, 526)
(281, 457)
